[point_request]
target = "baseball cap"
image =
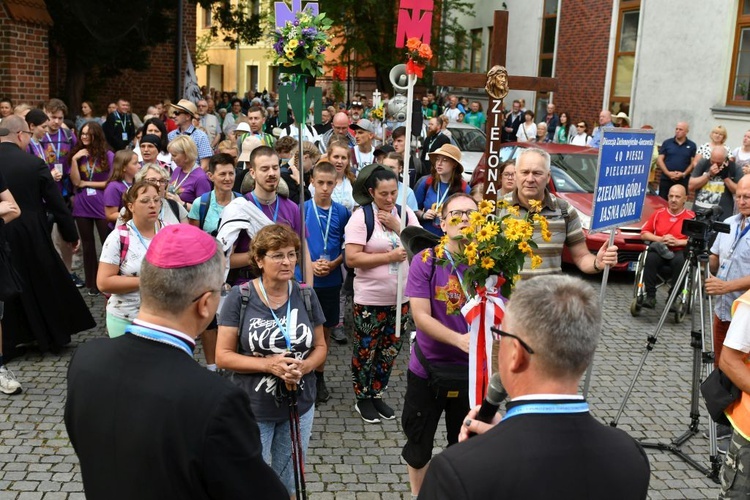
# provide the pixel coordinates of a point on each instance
(364, 124)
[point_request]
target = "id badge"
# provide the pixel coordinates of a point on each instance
(59, 167)
(90, 192)
(124, 136)
(393, 267)
(325, 256)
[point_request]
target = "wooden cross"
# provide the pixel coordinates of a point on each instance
(494, 121)
(376, 98)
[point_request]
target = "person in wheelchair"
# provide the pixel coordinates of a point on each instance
(664, 232)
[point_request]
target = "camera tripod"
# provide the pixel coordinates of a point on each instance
(692, 277)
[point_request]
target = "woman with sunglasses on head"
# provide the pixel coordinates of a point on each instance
(122, 253)
(580, 137)
(90, 167)
(274, 345)
(172, 212)
(124, 167)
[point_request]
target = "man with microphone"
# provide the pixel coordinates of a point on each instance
(547, 445)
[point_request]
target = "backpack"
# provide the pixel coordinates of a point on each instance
(245, 296)
(370, 218)
(124, 233)
(205, 202)
(464, 185)
(174, 207)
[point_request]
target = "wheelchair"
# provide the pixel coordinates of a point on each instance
(683, 302)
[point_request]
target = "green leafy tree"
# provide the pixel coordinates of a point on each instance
(367, 30)
(101, 38)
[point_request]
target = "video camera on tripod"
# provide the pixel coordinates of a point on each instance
(701, 229)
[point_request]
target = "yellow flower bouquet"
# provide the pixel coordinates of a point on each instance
(497, 246)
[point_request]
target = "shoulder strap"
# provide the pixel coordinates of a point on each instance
(306, 292)
(205, 202)
(124, 233)
(563, 206)
(175, 208)
(245, 296)
(369, 214)
(68, 135)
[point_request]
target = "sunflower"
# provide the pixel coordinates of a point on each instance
(425, 256)
(488, 263)
(536, 261)
(484, 234)
(454, 221)
(535, 205)
(513, 210)
(486, 207)
(476, 218)
(525, 247)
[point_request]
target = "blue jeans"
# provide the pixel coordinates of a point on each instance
(277, 446)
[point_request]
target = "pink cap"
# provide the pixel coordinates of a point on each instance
(180, 245)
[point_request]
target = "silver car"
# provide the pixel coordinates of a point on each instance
(472, 142)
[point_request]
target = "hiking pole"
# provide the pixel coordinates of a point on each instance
(295, 435)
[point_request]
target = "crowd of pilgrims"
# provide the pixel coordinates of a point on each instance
(124, 183)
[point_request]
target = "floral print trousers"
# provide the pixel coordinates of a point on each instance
(376, 346)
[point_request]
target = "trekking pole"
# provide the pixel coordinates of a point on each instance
(296, 438)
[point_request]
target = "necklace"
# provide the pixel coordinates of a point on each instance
(265, 202)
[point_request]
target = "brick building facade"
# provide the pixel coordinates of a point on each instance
(24, 51)
(31, 71)
(581, 60)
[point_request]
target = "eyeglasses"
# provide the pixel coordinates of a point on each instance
(742, 197)
(279, 257)
(581, 126)
(509, 176)
(497, 334)
(204, 293)
(147, 201)
(24, 132)
(156, 182)
(461, 213)
(84, 134)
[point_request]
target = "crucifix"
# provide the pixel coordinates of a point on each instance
(496, 83)
(376, 98)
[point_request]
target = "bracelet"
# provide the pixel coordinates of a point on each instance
(596, 268)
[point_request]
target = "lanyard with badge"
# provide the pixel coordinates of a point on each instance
(438, 205)
(159, 336)
(727, 264)
(276, 210)
(90, 175)
(38, 149)
(547, 408)
(324, 255)
(284, 331)
(132, 226)
(175, 185)
(124, 122)
(56, 145)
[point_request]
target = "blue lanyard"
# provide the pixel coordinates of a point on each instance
(38, 149)
(276, 211)
(131, 224)
(438, 199)
(58, 147)
(159, 336)
(284, 331)
(547, 408)
(458, 273)
(738, 236)
(328, 225)
(122, 120)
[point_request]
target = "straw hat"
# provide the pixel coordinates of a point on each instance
(186, 106)
(449, 151)
(622, 116)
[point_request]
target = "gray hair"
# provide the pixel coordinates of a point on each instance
(526, 151)
(173, 290)
(560, 317)
(151, 166)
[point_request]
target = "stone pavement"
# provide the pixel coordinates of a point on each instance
(351, 460)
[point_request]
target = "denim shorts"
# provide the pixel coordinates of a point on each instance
(277, 446)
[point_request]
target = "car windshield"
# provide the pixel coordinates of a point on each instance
(571, 172)
(469, 139)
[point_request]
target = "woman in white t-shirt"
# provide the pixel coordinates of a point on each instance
(172, 212)
(338, 156)
(378, 260)
(122, 253)
(527, 130)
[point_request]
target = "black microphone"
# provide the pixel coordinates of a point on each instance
(496, 393)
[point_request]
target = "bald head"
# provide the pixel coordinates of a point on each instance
(676, 198)
(16, 124)
(605, 117)
(340, 123)
(718, 154)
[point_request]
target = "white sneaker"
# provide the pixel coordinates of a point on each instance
(8, 382)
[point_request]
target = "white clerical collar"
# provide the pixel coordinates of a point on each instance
(187, 338)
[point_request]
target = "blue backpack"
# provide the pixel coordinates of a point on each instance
(205, 202)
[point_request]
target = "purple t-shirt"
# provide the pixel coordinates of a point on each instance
(57, 147)
(191, 185)
(443, 288)
(89, 202)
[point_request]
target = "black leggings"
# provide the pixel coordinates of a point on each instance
(88, 245)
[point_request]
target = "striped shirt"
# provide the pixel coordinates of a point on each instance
(200, 139)
(564, 232)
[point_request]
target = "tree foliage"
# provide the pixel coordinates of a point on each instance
(100, 38)
(367, 33)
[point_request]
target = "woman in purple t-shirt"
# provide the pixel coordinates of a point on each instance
(91, 163)
(189, 181)
(124, 168)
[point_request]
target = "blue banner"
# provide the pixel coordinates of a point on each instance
(622, 179)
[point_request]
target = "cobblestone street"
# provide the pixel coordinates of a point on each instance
(349, 459)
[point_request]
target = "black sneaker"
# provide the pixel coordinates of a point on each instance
(385, 411)
(78, 282)
(649, 303)
(93, 292)
(323, 392)
(367, 411)
(722, 445)
(338, 335)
